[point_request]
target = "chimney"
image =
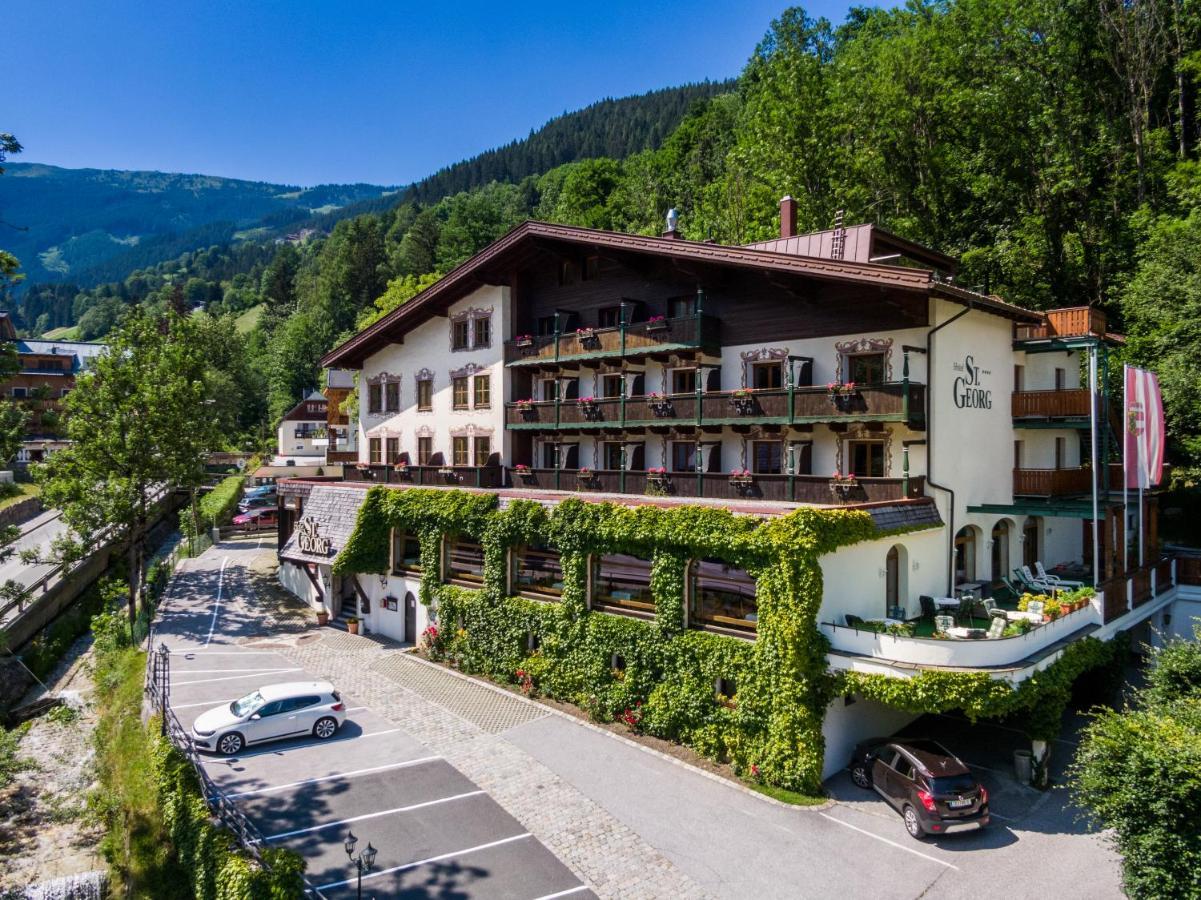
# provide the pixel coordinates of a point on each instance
(673, 220)
(787, 217)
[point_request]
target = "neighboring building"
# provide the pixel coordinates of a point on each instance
(301, 436)
(47, 375)
(343, 438)
(568, 362)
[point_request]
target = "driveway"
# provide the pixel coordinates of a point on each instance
(622, 821)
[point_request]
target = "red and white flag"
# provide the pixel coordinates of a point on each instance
(1144, 429)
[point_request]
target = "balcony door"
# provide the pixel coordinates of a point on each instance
(865, 368)
(865, 459)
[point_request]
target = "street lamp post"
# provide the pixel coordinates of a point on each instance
(363, 862)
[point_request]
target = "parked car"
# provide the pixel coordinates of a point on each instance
(930, 787)
(271, 713)
(250, 503)
(265, 517)
(261, 490)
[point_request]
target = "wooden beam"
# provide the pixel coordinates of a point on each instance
(316, 582)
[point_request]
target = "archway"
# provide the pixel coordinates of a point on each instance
(896, 582)
(1002, 533)
(966, 544)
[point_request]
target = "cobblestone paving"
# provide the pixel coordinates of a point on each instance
(613, 859)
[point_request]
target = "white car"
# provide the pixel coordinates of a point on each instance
(271, 713)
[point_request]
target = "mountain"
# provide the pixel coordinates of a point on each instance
(91, 225)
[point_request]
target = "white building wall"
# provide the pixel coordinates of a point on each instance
(1039, 370)
(844, 726)
(292, 578)
(291, 445)
(854, 576)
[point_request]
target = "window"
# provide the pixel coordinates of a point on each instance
(866, 458)
(406, 552)
(550, 456)
(1061, 451)
(483, 333)
(20, 392)
(1017, 454)
(566, 272)
(393, 448)
(613, 454)
(1000, 550)
(546, 325)
(722, 596)
(965, 555)
(550, 389)
(610, 386)
(458, 387)
(460, 334)
(1061, 379)
(866, 368)
(374, 398)
(392, 396)
(683, 381)
(766, 457)
(464, 561)
(459, 451)
(425, 449)
(681, 307)
(683, 456)
(425, 394)
(1019, 378)
(1030, 554)
(623, 582)
(537, 571)
(609, 317)
(375, 450)
(591, 267)
(482, 387)
(766, 376)
(482, 450)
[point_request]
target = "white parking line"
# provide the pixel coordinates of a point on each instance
(568, 892)
(885, 840)
(228, 652)
(209, 671)
(235, 677)
(374, 815)
(352, 774)
(422, 862)
(217, 605)
(267, 748)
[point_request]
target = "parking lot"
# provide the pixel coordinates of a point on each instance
(437, 832)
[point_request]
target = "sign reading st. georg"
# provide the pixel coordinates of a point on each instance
(969, 391)
(310, 539)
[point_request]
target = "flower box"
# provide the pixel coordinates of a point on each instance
(657, 323)
(660, 405)
(523, 340)
(743, 401)
(742, 478)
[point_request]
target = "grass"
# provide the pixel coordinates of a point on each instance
(11, 493)
(66, 333)
(785, 796)
(246, 322)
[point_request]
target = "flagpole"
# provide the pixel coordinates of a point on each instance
(1092, 424)
(1125, 465)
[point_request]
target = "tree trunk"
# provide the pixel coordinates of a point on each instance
(131, 554)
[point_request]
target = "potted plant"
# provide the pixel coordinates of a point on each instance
(656, 323)
(839, 394)
(587, 337)
(525, 409)
(352, 625)
(658, 480)
(741, 477)
(660, 405)
(584, 475)
(523, 472)
(523, 340)
(842, 485)
(743, 401)
(322, 614)
(590, 408)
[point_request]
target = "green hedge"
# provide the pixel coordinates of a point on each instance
(216, 507)
(770, 729)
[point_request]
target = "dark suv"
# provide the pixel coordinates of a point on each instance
(925, 782)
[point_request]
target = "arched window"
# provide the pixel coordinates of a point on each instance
(1000, 550)
(965, 555)
(896, 593)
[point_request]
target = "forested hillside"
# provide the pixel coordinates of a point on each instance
(1050, 144)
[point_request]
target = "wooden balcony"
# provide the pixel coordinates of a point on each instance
(635, 340)
(1052, 482)
(1065, 404)
(342, 457)
(717, 485)
(1074, 321)
(430, 476)
(895, 402)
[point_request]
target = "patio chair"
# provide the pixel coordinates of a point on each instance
(967, 603)
(1028, 583)
(997, 627)
(988, 606)
(942, 624)
(1035, 607)
(853, 621)
(1044, 575)
(928, 607)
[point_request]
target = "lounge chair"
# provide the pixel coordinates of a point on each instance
(1061, 583)
(928, 607)
(997, 627)
(1029, 583)
(942, 624)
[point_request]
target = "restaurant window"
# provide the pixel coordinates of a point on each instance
(965, 555)
(425, 449)
(460, 335)
(406, 552)
(866, 458)
(609, 317)
(374, 398)
(546, 325)
(681, 307)
(458, 387)
(425, 394)
(464, 561)
(683, 456)
(483, 333)
(612, 456)
(610, 386)
(375, 450)
(393, 448)
(683, 381)
(722, 596)
(537, 572)
(482, 449)
(392, 396)
(623, 583)
(481, 386)
(767, 376)
(766, 457)
(865, 368)
(458, 447)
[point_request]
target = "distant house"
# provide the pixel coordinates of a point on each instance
(48, 372)
(302, 433)
(343, 439)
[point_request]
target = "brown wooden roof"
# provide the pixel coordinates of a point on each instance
(479, 270)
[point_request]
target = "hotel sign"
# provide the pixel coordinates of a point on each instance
(310, 539)
(969, 391)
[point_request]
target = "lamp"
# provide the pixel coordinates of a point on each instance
(363, 862)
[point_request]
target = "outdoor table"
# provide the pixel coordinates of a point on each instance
(947, 602)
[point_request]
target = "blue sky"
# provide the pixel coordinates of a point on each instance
(306, 92)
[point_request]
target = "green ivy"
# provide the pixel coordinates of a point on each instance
(772, 724)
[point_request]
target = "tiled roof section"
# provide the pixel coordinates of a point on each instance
(336, 509)
(464, 279)
(906, 515)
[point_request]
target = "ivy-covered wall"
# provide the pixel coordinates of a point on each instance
(665, 679)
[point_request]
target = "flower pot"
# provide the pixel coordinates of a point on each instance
(322, 617)
(352, 627)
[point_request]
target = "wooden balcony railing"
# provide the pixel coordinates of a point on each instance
(1065, 404)
(665, 335)
(342, 456)
(446, 476)
(894, 402)
(786, 488)
(1074, 321)
(1052, 482)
